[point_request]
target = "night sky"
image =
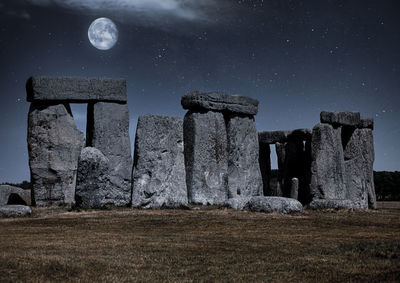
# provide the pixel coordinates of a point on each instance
(296, 57)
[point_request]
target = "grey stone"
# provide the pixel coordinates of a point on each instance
(159, 178)
(214, 101)
(344, 118)
(206, 159)
(14, 195)
(94, 188)
(266, 204)
(272, 137)
(359, 159)
(15, 210)
(74, 89)
(108, 131)
(366, 122)
(265, 167)
(244, 175)
(54, 145)
(327, 163)
(320, 204)
(294, 191)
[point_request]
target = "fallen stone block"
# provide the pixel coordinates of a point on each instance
(14, 195)
(344, 118)
(266, 204)
(320, 204)
(75, 89)
(159, 178)
(15, 210)
(199, 101)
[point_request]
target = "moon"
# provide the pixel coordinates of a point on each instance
(103, 33)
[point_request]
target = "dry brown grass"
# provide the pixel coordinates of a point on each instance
(200, 245)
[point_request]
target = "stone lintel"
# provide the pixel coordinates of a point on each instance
(75, 89)
(220, 102)
(343, 118)
(272, 137)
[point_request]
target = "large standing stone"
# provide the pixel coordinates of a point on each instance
(198, 101)
(265, 167)
(327, 165)
(359, 159)
(159, 178)
(108, 131)
(206, 159)
(244, 176)
(72, 89)
(54, 145)
(93, 187)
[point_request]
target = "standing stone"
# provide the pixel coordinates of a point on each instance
(327, 163)
(359, 159)
(294, 190)
(54, 145)
(206, 159)
(108, 131)
(265, 167)
(159, 178)
(93, 186)
(244, 176)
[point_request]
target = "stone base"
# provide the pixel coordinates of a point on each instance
(266, 204)
(15, 210)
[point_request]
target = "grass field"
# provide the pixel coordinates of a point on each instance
(200, 245)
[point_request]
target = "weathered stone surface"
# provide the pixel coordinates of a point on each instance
(327, 163)
(94, 188)
(74, 89)
(344, 118)
(319, 204)
(366, 122)
(244, 175)
(15, 210)
(159, 178)
(359, 159)
(206, 159)
(266, 204)
(265, 167)
(14, 195)
(108, 131)
(196, 101)
(271, 137)
(54, 145)
(294, 188)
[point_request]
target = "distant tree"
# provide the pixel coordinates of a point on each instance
(387, 185)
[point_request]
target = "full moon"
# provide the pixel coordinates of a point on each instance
(103, 33)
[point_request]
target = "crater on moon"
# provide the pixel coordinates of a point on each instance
(103, 33)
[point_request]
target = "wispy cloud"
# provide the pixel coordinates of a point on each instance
(152, 12)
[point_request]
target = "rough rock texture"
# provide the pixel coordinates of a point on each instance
(15, 210)
(206, 159)
(294, 190)
(366, 122)
(14, 195)
(359, 159)
(70, 89)
(54, 145)
(244, 175)
(327, 164)
(220, 102)
(271, 137)
(265, 167)
(266, 204)
(345, 118)
(93, 186)
(159, 178)
(108, 131)
(319, 204)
